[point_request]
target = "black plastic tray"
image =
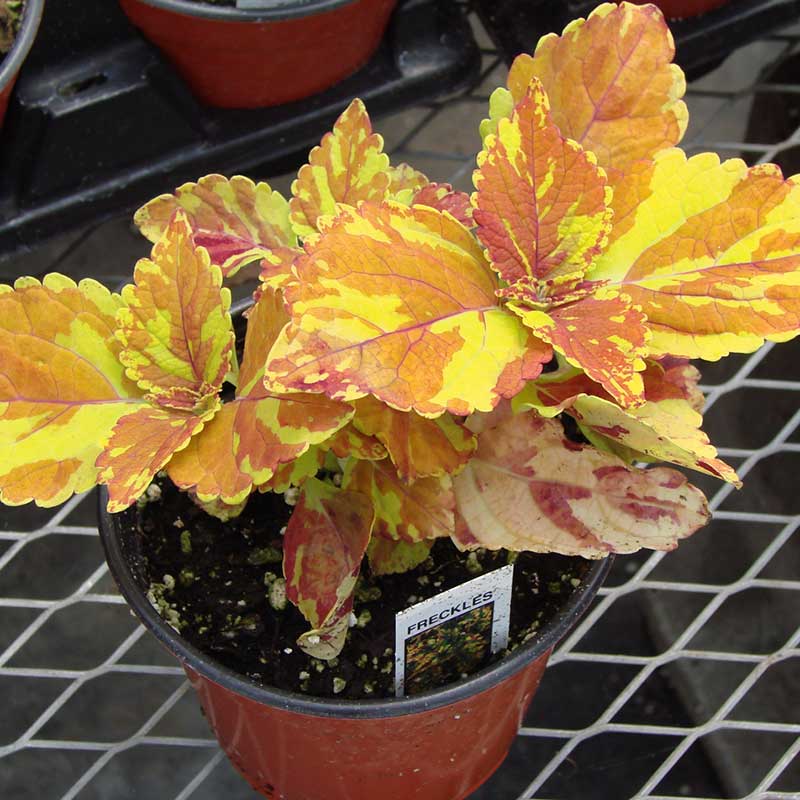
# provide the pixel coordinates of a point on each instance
(100, 123)
(702, 42)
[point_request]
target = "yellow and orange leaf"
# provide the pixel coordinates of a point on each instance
(542, 204)
(257, 432)
(412, 513)
(603, 334)
(323, 547)
(348, 166)
(140, 445)
(175, 328)
(405, 183)
(62, 388)
(529, 488)
(611, 83)
(296, 472)
(443, 197)
(236, 220)
(207, 466)
(418, 447)
(400, 303)
(349, 442)
(713, 256)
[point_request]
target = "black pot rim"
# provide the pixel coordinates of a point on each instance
(550, 634)
(23, 43)
(277, 9)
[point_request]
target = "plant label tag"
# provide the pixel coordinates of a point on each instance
(453, 633)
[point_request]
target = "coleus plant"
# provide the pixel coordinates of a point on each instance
(426, 345)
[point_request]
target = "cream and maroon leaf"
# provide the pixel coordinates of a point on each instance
(422, 510)
(712, 257)
(542, 204)
(664, 428)
(62, 387)
(400, 303)
(348, 166)
(236, 220)
(529, 488)
(175, 329)
(324, 544)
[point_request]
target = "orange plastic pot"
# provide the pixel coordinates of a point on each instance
(234, 58)
(9, 69)
(440, 745)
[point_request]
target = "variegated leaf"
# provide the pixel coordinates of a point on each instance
(665, 428)
(276, 267)
(176, 328)
(542, 204)
(208, 467)
(390, 556)
(256, 432)
(62, 388)
(323, 547)
(405, 183)
(529, 488)
(603, 334)
(236, 220)
(668, 430)
(713, 256)
(400, 303)
(443, 197)
(141, 444)
(296, 472)
(349, 442)
(348, 166)
(422, 510)
(611, 83)
(418, 447)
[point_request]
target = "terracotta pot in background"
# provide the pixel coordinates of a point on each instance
(678, 9)
(235, 58)
(439, 745)
(9, 70)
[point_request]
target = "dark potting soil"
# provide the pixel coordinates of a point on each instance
(211, 581)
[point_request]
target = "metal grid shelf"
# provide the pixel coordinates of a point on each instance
(682, 680)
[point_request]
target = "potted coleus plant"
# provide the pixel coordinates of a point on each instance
(256, 53)
(424, 373)
(19, 21)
